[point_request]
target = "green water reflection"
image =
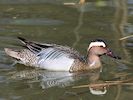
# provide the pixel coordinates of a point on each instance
(65, 22)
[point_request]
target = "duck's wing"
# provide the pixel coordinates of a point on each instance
(50, 50)
(34, 46)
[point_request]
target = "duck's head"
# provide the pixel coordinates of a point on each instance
(99, 47)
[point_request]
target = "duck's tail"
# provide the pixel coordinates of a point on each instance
(23, 56)
(12, 53)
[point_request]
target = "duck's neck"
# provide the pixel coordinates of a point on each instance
(93, 61)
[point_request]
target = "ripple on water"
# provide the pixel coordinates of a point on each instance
(30, 21)
(2, 79)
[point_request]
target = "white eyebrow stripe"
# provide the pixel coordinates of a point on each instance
(96, 44)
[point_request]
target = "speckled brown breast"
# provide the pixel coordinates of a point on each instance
(78, 66)
(82, 66)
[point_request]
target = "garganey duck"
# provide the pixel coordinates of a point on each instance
(60, 58)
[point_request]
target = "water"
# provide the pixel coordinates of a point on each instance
(67, 23)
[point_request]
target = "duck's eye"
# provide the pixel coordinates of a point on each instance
(101, 46)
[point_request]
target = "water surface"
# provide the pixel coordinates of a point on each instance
(65, 22)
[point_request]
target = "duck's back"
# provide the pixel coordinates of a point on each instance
(46, 56)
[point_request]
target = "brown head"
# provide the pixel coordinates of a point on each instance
(98, 47)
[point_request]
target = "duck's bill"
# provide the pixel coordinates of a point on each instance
(111, 54)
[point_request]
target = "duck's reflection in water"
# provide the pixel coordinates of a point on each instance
(49, 79)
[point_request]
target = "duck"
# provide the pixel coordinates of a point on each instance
(56, 57)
